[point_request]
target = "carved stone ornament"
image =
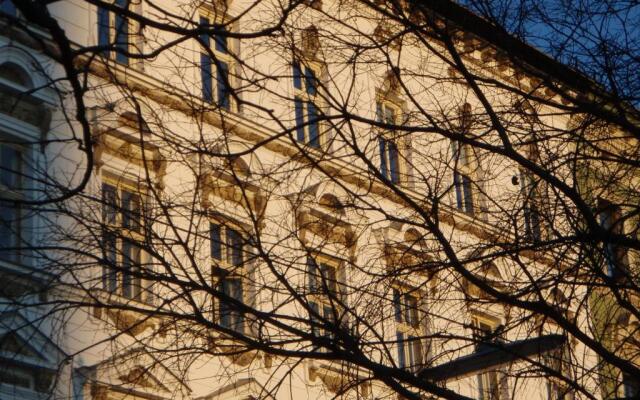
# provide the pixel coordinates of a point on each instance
(335, 377)
(327, 226)
(235, 351)
(130, 322)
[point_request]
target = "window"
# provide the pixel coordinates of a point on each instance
(305, 84)
(488, 382)
(324, 297)
(230, 253)
(408, 331)
(464, 192)
(7, 7)
(630, 386)
(558, 361)
(113, 32)
(615, 256)
(221, 62)
(122, 231)
(532, 216)
(389, 155)
(11, 190)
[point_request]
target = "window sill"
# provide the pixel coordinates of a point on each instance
(117, 309)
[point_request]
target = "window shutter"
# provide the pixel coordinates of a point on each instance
(206, 76)
(314, 131)
(299, 119)
(216, 242)
(297, 75)
(222, 78)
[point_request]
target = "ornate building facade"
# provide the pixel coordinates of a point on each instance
(250, 200)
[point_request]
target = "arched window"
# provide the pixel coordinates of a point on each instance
(14, 73)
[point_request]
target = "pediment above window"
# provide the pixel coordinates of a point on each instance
(129, 139)
(339, 377)
(134, 374)
(226, 186)
(326, 226)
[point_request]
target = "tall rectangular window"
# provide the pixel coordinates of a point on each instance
(615, 256)
(531, 210)
(408, 330)
(388, 147)
(464, 192)
(12, 179)
(307, 114)
(488, 382)
(113, 32)
(324, 296)
(215, 65)
(122, 232)
(229, 252)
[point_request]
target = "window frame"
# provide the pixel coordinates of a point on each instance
(109, 25)
(326, 303)
(306, 81)
(223, 50)
(410, 346)
(532, 201)
(120, 239)
(615, 257)
(489, 382)
(226, 268)
(10, 196)
(390, 147)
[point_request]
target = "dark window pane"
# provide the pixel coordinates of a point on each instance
(109, 204)
(204, 37)
(468, 194)
(297, 75)
(9, 230)
(103, 29)
(234, 248)
(122, 39)
(131, 208)
(222, 79)
(378, 112)
(206, 77)
(393, 161)
(216, 241)
(457, 183)
(310, 81)
(397, 307)
(131, 283)
(312, 274)
(299, 119)
(411, 310)
(10, 161)
(328, 275)
(109, 275)
(230, 316)
(401, 351)
(314, 130)
(221, 40)
(382, 143)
